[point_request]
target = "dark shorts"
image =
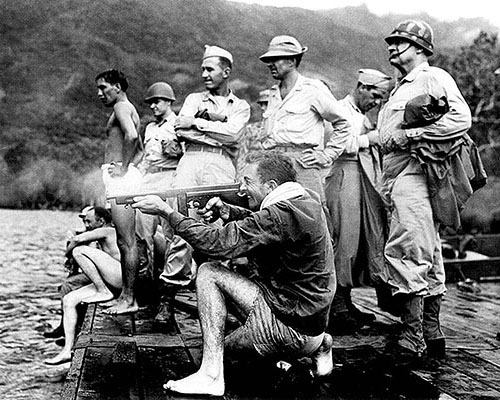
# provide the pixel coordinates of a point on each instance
(73, 282)
(267, 335)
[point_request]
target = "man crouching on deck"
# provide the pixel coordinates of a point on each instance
(284, 312)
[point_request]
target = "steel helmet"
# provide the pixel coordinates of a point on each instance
(160, 90)
(417, 32)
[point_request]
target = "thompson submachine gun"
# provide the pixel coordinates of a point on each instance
(193, 197)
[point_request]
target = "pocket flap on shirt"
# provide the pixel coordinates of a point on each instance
(397, 105)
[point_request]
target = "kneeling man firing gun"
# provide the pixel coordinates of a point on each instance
(285, 310)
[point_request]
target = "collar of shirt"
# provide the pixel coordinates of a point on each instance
(349, 99)
(413, 73)
(299, 83)
(170, 118)
(207, 96)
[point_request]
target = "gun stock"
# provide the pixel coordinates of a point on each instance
(192, 197)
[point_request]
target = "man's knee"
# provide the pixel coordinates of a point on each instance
(72, 283)
(211, 271)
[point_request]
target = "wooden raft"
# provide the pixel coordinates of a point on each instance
(125, 357)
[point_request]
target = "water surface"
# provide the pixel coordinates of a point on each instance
(31, 267)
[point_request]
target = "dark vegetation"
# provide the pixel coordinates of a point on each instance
(52, 126)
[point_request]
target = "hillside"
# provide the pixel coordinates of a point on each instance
(52, 124)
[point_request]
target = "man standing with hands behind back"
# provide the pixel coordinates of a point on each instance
(120, 177)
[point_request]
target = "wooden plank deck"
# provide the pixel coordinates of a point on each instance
(126, 357)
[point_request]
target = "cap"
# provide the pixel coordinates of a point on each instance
(216, 51)
(264, 96)
(84, 211)
(424, 110)
(372, 77)
(283, 46)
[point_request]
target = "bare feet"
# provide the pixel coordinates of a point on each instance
(99, 297)
(123, 306)
(197, 383)
(322, 358)
(61, 358)
(110, 303)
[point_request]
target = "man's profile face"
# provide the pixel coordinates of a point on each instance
(159, 106)
(400, 51)
(263, 106)
(369, 97)
(253, 187)
(212, 73)
(279, 67)
(90, 221)
(107, 92)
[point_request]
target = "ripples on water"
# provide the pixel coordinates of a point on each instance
(31, 267)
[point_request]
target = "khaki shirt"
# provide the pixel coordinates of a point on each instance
(423, 79)
(156, 134)
(298, 119)
(215, 133)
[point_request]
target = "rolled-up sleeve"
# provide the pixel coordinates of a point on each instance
(226, 132)
(331, 110)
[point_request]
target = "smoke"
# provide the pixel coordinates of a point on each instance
(51, 184)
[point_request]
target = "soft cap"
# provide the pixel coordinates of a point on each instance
(372, 77)
(264, 96)
(84, 211)
(216, 51)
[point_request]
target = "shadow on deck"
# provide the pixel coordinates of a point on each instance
(125, 357)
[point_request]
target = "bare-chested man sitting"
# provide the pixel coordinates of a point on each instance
(102, 266)
(121, 177)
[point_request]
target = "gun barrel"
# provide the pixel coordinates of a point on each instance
(228, 192)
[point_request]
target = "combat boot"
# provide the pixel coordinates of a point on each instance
(412, 316)
(433, 335)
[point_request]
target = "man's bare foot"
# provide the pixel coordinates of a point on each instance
(197, 383)
(322, 358)
(99, 297)
(61, 358)
(122, 306)
(110, 303)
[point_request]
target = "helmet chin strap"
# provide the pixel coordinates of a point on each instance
(399, 53)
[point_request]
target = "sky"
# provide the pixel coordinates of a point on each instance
(446, 10)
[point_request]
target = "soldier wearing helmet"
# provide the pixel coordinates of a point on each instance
(414, 265)
(297, 111)
(162, 152)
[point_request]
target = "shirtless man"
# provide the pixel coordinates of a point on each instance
(121, 177)
(102, 266)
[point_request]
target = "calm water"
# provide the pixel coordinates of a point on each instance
(31, 267)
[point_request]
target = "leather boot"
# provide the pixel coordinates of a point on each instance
(165, 315)
(363, 318)
(412, 316)
(433, 334)
(341, 322)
